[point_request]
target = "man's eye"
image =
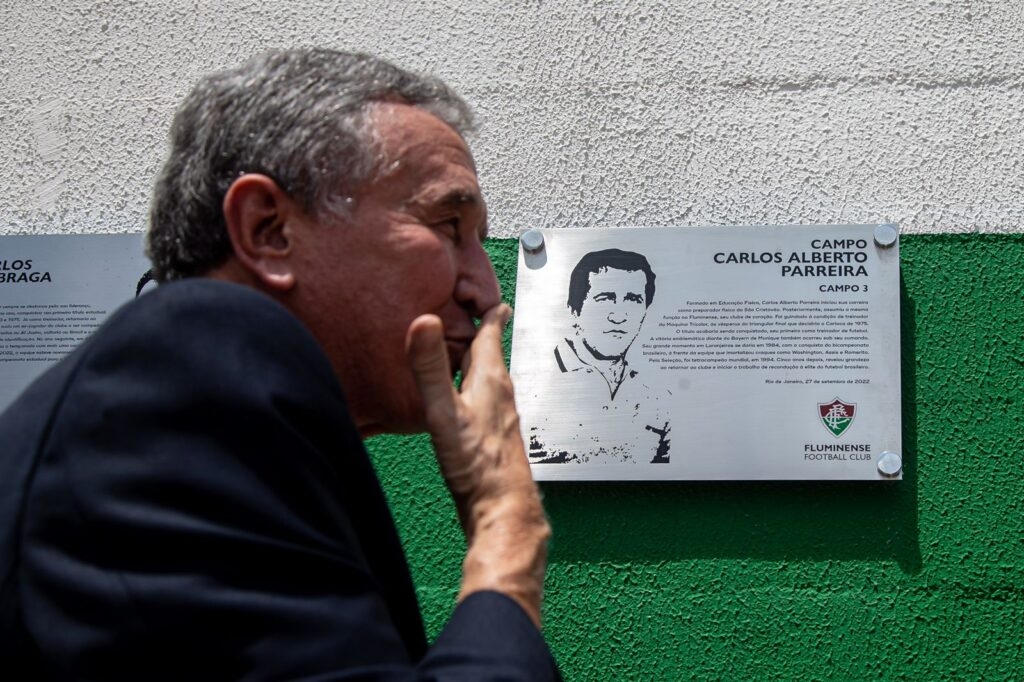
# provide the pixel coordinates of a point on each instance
(450, 229)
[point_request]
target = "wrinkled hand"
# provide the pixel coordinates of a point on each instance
(475, 432)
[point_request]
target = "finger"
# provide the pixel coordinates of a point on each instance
(486, 349)
(428, 357)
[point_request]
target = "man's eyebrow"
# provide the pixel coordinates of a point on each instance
(458, 197)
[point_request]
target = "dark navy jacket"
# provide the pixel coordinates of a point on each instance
(186, 497)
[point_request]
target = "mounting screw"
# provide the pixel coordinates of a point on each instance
(886, 235)
(890, 464)
(532, 240)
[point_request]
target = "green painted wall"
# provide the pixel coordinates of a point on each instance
(920, 579)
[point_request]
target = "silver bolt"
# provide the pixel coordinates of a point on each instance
(890, 464)
(532, 240)
(886, 235)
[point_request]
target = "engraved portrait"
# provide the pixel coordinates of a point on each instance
(609, 293)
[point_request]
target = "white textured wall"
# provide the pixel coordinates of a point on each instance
(595, 113)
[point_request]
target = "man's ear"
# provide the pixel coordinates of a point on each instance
(257, 213)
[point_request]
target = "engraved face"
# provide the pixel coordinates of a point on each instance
(612, 312)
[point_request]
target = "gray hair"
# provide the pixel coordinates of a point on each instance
(301, 117)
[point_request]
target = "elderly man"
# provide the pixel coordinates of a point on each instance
(187, 495)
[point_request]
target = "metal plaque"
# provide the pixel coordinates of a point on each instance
(724, 353)
(56, 289)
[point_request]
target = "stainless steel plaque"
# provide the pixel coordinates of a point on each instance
(725, 353)
(56, 289)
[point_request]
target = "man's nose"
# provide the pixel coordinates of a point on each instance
(617, 315)
(477, 289)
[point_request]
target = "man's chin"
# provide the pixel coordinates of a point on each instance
(396, 427)
(457, 351)
(606, 354)
(400, 419)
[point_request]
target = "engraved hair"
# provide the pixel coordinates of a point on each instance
(597, 261)
(301, 117)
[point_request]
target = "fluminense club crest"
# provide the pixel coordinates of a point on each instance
(837, 416)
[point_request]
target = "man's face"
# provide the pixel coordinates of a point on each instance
(412, 246)
(612, 312)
